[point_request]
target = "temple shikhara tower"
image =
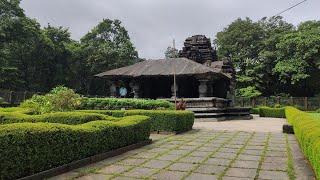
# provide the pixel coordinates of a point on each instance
(198, 48)
(204, 81)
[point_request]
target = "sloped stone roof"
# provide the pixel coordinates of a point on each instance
(163, 67)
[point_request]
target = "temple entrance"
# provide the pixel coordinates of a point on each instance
(158, 87)
(220, 88)
(161, 87)
(188, 87)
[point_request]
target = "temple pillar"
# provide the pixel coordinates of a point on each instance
(231, 93)
(113, 90)
(172, 90)
(203, 88)
(135, 89)
(210, 89)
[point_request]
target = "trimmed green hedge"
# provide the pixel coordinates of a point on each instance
(255, 110)
(272, 112)
(28, 148)
(118, 103)
(13, 116)
(161, 120)
(16, 109)
(307, 130)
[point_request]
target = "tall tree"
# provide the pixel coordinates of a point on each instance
(299, 58)
(106, 46)
(242, 40)
(58, 56)
(272, 53)
(171, 52)
(18, 34)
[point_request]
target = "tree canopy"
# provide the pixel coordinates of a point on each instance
(272, 56)
(37, 59)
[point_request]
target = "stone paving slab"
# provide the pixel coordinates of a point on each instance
(205, 154)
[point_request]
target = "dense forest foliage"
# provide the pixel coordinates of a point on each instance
(273, 57)
(37, 59)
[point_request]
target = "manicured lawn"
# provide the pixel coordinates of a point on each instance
(316, 115)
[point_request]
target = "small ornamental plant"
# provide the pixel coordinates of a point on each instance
(58, 99)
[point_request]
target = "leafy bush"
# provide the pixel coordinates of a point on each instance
(39, 104)
(56, 117)
(161, 120)
(307, 130)
(255, 110)
(28, 148)
(2, 101)
(277, 106)
(64, 99)
(17, 109)
(58, 99)
(249, 92)
(272, 112)
(117, 103)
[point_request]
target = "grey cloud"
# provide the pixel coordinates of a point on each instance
(153, 24)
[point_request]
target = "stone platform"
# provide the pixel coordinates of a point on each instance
(215, 109)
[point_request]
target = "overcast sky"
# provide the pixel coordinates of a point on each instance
(152, 24)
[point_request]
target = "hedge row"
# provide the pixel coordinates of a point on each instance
(307, 130)
(272, 112)
(28, 148)
(161, 120)
(255, 110)
(118, 103)
(16, 115)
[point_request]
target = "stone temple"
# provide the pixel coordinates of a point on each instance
(203, 81)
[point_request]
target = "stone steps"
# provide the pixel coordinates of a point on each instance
(210, 115)
(220, 114)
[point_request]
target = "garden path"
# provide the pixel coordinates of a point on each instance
(248, 149)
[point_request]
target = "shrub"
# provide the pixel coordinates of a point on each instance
(2, 101)
(64, 99)
(56, 117)
(272, 112)
(249, 92)
(170, 121)
(28, 148)
(58, 99)
(117, 103)
(307, 130)
(161, 120)
(255, 110)
(17, 109)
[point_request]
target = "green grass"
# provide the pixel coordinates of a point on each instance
(315, 115)
(236, 157)
(263, 156)
(290, 169)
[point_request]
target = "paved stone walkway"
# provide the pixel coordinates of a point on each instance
(257, 124)
(206, 154)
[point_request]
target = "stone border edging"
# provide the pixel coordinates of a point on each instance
(80, 163)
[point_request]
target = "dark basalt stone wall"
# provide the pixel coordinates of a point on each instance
(199, 49)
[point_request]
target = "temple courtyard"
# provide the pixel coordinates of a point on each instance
(246, 149)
